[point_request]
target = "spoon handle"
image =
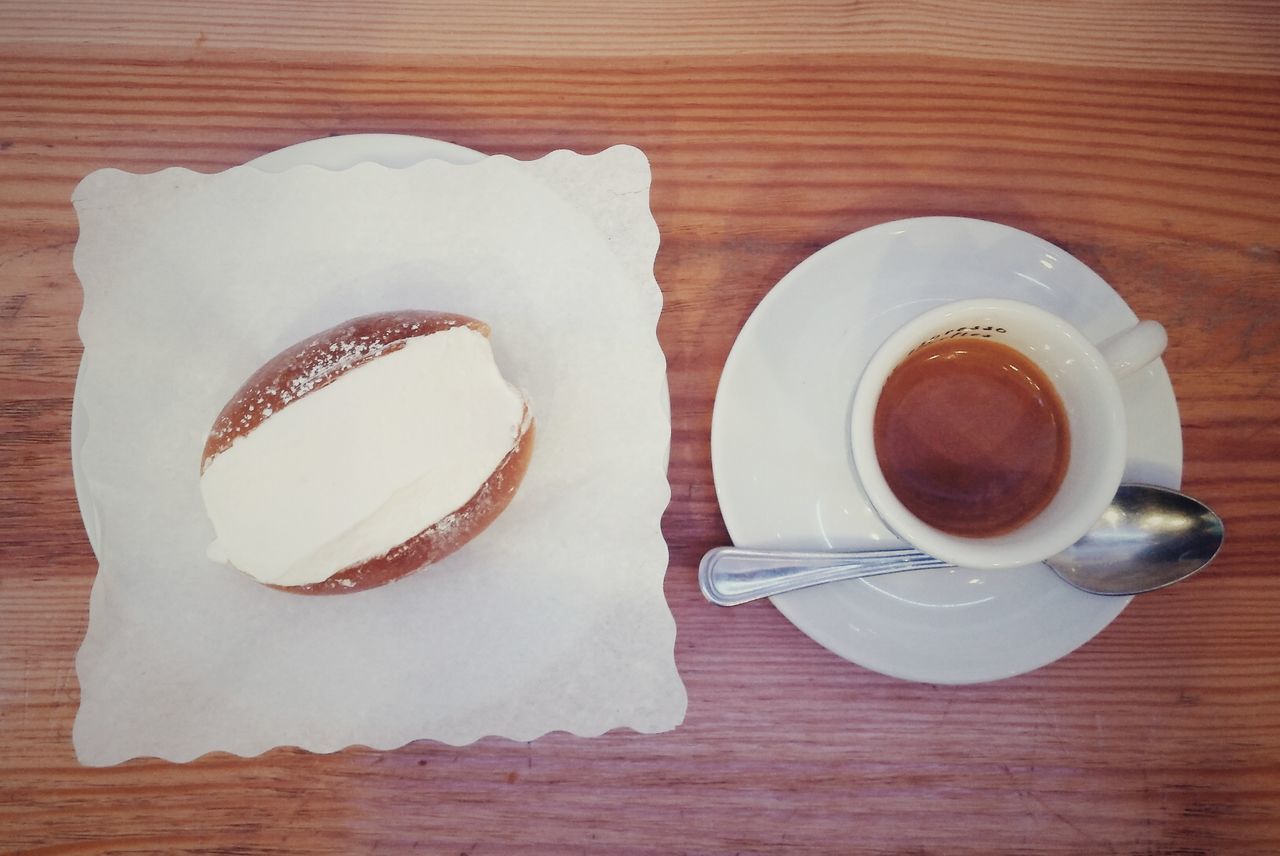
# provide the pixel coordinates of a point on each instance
(729, 576)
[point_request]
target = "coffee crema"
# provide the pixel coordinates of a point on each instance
(971, 437)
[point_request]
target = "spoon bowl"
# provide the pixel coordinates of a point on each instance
(1148, 538)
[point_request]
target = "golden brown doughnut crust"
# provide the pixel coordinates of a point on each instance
(316, 362)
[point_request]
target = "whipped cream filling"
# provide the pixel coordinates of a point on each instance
(361, 465)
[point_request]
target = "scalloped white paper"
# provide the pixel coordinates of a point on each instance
(553, 619)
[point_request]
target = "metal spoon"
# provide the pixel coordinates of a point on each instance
(1148, 538)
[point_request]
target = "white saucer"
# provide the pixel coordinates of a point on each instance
(390, 150)
(783, 472)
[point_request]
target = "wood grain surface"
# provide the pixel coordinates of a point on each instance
(1142, 137)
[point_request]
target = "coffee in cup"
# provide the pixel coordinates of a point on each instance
(991, 433)
(971, 436)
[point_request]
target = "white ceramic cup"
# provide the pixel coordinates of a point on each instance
(1085, 378)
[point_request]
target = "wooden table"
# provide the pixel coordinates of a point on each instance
(1143, 137)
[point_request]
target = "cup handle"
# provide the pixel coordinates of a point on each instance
(1136, 347)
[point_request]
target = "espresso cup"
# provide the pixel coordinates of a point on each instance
(1083, 377)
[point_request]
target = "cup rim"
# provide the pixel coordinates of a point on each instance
(1000, 551)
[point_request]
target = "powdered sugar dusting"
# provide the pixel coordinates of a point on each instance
(325, 363)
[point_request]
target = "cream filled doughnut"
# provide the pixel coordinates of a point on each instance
(364, 453)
